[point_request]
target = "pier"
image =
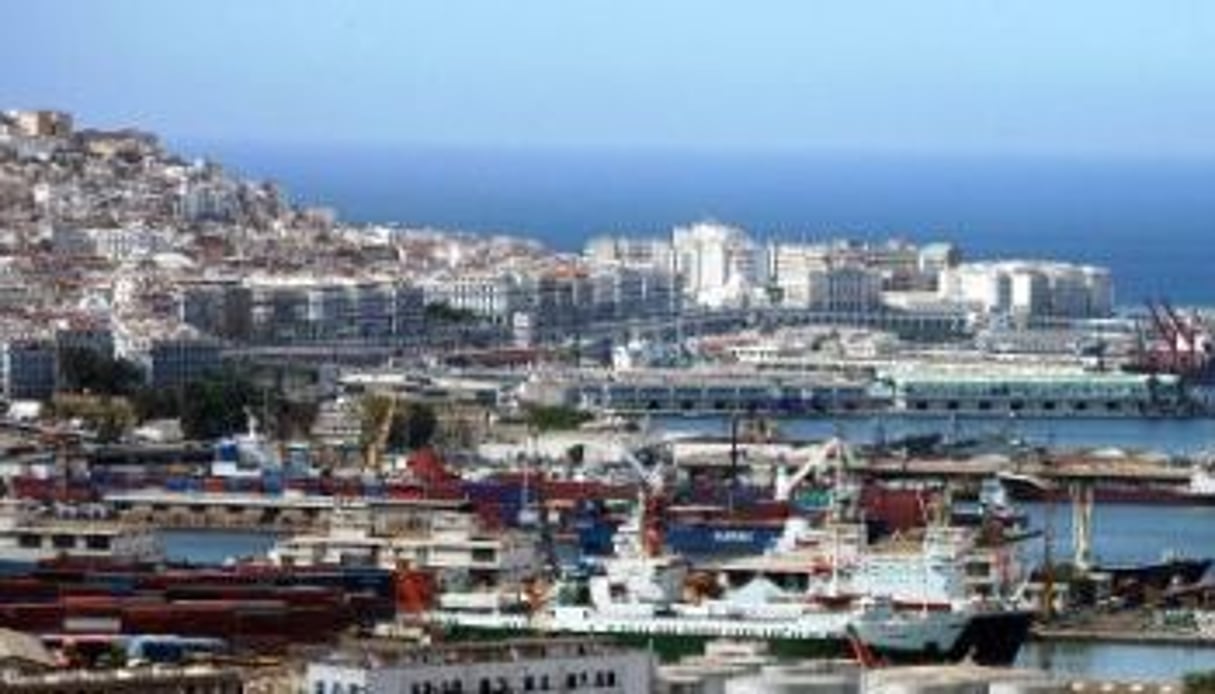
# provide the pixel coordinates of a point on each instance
(282, 513)
(1056, 471)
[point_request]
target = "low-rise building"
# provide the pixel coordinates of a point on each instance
(196, 679)
(548, 665)
(40, 123)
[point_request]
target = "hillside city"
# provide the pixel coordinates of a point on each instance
(112, 244)
(249, 447)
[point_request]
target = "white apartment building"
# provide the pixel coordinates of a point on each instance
(534, 665)
(496, 295)
(900, 266)
(1030, 289)
(719, 265)
(116, 244)
(810, 276)
(630, 251)
(844, 289)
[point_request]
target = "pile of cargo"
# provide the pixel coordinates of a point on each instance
(251, 607)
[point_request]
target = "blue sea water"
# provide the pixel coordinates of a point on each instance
(1191, 437)
(1152, 221)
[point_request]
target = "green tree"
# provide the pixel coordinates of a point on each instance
(85, 370)
(441, 312)
(215, 406)
(109, 417)
(413, 427)
(555, 417)
(413, 424)
(1199, 682)
(152, 403)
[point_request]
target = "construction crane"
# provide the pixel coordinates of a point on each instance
(372, 456)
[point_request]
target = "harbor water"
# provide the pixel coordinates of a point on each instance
(1174, 436)
(1117, 661)
(213, 547)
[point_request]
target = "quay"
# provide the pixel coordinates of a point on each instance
(1189, 628)
(1062, 470)
(1122, 636)
(286, 512)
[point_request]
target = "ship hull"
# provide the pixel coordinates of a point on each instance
(1144, 494)
(991, 639)
(667, 647)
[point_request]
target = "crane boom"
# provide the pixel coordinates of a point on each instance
(818, 459)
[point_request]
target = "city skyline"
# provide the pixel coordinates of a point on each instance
(1103, 79)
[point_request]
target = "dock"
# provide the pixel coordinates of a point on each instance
(1064, 469)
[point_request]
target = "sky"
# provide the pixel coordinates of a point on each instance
(1103, 77)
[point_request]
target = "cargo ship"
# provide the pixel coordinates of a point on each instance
(636, 597)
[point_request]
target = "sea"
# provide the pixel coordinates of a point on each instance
(1152, 221)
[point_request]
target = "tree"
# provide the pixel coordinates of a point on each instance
(108, 417)
(413, 424)
(555, 417)
(413, 427)
(441, 312)
(86, 370)
(1199, 682)
(153, 403)
(215, 406)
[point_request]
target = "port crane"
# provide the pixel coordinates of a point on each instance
(652, 492)
(832, 454)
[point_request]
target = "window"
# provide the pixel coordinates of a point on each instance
(61, 541)
(571, 681)
(529, 683)
(29, 540)
(611, 678)
(97, 542)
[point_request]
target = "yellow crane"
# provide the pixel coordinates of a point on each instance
(373, 459)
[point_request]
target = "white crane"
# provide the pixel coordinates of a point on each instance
(820, 459)
(653, 478)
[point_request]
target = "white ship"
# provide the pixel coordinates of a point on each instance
(643, 599)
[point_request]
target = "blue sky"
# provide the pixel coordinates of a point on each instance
(960, 76)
